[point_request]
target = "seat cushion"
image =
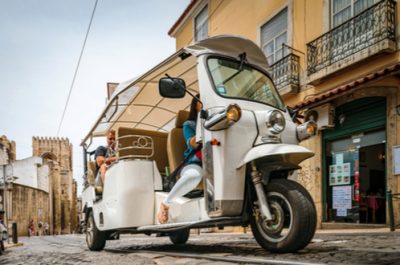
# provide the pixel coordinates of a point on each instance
(176, 146)
(181, 117)
(91, 172)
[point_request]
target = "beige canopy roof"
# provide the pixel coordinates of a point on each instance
(137, 103)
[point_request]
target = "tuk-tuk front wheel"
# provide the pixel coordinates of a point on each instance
(293, 217)
(95, 239)
(179, 237)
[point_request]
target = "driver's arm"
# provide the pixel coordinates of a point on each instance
(100, 160)
(110, 160)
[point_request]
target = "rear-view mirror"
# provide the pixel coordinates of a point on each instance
(170, 87)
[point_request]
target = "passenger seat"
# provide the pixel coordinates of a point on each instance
(176, 145)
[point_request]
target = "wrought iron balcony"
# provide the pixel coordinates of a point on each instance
(368, 28)
(285, 74)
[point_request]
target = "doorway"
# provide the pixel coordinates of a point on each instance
(354, 179)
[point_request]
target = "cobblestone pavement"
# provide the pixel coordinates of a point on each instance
(329, 247)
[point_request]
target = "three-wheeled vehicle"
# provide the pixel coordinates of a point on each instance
(249, 146)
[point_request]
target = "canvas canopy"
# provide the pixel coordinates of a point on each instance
(137, 103)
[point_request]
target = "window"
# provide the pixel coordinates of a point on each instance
(234, 80)
(274, 35)
(343, 10)
(201, 25)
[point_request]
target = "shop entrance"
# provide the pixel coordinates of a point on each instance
(354, 163)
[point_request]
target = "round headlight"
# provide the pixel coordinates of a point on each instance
(276, 122)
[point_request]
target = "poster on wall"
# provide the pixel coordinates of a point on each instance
(341, 212)
(339, 158)
(332, 175)
(396, 159)
(341, 197)
(339, 174)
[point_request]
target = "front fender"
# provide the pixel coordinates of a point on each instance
(289, 153)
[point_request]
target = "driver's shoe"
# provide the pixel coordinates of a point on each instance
(162, 214)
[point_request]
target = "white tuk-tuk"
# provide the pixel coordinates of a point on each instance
(249, 146)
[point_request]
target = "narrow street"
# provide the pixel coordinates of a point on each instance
(327, 247)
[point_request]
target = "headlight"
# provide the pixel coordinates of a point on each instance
(223, 119)
(233, 113)
(275, 122)
(306, 130)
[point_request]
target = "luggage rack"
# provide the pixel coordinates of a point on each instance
(135, 146)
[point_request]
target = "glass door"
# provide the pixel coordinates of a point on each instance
(355, 178)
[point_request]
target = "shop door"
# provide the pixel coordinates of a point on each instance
(354, 162)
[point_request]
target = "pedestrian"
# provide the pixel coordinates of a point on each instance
(46, 229)
(40, 226)
(31, 228)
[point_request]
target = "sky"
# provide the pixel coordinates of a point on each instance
(40, 43)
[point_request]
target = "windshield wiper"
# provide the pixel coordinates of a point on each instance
(242, 57)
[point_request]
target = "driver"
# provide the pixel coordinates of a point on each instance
(192, 172)
(104, 157)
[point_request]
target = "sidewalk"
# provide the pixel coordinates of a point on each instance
(11, 244)
(382, 230)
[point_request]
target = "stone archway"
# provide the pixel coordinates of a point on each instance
(49, 156)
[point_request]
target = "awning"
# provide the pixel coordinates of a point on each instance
(326, 96)
(137, 103)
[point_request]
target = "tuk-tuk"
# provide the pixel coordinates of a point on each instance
(250, 146)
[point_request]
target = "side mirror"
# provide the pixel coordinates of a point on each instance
(170, 87)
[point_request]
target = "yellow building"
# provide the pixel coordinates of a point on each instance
(337, 62)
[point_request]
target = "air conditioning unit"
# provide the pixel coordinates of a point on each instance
(324, 116)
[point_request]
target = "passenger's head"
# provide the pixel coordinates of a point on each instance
(195, 107)
(110, 138)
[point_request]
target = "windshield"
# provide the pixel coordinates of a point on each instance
(231, 79)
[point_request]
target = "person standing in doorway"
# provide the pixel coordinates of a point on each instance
(40, 228)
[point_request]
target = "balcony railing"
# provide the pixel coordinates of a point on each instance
(370, 27)
(285, 72)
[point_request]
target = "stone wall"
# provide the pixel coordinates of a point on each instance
(37, 209)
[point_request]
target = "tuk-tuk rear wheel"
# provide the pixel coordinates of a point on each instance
(294, 218)
(95, 239)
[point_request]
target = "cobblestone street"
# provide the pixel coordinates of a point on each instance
(327, 247)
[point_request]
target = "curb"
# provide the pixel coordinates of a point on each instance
(13, 245)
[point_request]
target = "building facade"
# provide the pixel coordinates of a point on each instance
(336, 62)
(40, 187)
(57, 154)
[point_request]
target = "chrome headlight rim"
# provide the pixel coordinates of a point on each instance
(306, 130)
(276, 122)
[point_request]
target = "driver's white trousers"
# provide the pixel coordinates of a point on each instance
(190, 177)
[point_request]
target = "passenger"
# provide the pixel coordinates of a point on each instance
(192, 172)
(104, 157)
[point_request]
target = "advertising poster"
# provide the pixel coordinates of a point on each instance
(341, 212)
(332, 175)
(339, 158)
(341, 197)
(339, 174)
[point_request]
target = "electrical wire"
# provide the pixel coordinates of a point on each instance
(77, 68)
